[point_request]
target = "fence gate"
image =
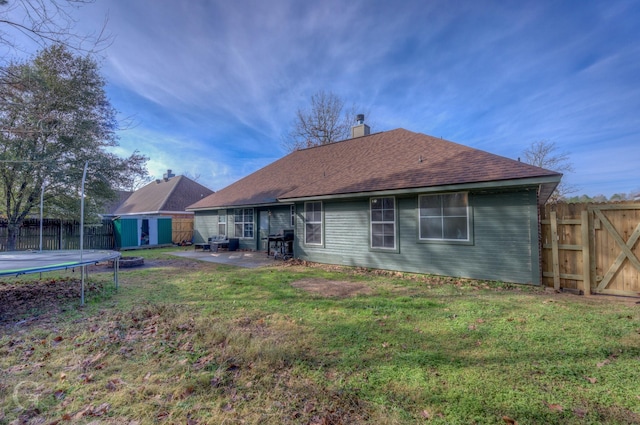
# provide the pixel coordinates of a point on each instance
(592, 248)
(615, 266)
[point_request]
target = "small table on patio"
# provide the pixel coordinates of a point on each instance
(202, 246)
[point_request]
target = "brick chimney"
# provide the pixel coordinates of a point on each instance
(168, 175)
(360, 129)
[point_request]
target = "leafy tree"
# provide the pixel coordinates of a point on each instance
(545, 154)
(617, 197)
(54, 117)
(325, 120)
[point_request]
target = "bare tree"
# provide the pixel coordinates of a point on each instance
(47, 22)
(545, 154)
(195, 177)
(325, 120)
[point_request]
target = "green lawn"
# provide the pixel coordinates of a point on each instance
(200, 343)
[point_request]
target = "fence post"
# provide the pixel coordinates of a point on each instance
(586, 257)
(554, 251)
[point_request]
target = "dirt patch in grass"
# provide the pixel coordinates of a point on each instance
(26, 301)
(332, 288)
(34, 301)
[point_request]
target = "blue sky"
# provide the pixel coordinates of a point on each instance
(213, 86)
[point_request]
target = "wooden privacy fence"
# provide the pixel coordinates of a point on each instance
(591, 248)
(182, 229)
(59, 234)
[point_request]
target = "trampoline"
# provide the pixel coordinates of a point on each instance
(24, 262)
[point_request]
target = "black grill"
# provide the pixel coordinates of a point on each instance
(283, 244)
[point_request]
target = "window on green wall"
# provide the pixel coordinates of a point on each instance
(313, 223)
(222, 224)
(243, 222)
(383, 222)
(444, 217)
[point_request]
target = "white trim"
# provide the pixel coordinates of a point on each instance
(252, 222)
(292, 215)
(226, 227)
(155, 213)
(231, 207)
(321, 222)
(442, 216)
(395, 224)
(534, 181)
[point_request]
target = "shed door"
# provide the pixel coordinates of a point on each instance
(153, 231)
(143, 231)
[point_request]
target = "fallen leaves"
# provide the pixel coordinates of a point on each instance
(473, 327)
(203, 361)
(19, 301)
(93, 361)
(87, 411)
(114, 384)
(580, 412)
(555, 407)
(607, 361)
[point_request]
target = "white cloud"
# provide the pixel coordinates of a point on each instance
(215, 84)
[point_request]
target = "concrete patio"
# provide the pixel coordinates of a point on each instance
(248, 259)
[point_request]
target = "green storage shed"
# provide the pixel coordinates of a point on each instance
(133, 232)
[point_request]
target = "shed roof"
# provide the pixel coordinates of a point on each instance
(393, 160)
(167, 195)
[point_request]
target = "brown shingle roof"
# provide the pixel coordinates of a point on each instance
(122, 196)
(392, 160)
(170, 195)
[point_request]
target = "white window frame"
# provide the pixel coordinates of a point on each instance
(247, 226)
(312, 220)
(376, 220)
(222, 224)
(442, 215)
(292, 210)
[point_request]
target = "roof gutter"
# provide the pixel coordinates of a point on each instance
(548, 182)
(534, 181)
(155, 212)
(228, 207)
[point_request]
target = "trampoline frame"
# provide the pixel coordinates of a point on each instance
(82, 262)
(57, 260)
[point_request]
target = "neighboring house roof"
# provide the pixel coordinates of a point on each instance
(167, 195)
(121, 196)
(388, 161)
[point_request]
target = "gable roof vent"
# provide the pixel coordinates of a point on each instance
(360, 129)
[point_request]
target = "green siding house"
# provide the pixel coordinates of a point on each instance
(395, 200)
